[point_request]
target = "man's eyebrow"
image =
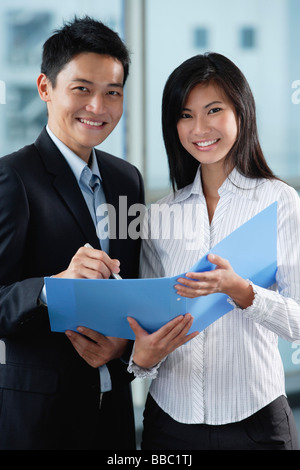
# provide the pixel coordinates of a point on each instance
(88, 82)
(118, 85)
(82, 80)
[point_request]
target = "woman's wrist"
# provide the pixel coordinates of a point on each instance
(241, 293)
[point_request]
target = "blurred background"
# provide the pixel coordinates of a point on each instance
(261, 36)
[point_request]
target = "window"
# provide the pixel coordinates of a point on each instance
(247, 38)
(201, 38)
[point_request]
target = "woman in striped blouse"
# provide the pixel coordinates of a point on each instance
(224, 388)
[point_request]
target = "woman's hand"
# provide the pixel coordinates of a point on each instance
(222, 279)
(150, 349)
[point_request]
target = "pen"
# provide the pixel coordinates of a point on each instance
(116, 276)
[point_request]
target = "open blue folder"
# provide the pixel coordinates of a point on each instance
(104, 305)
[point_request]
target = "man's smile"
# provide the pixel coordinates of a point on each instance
(91, 123)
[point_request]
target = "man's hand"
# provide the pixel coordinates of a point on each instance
(88, 263)
(100, 350)
(150, 349)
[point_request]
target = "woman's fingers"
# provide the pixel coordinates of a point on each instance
(151, 348)
(208, 282)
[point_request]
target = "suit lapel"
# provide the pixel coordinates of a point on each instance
(66, 185)
(70, 192)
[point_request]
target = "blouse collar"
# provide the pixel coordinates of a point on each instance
(235, 183)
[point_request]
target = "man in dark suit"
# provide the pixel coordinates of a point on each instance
(54, 395)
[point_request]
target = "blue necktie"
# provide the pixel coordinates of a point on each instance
(100, 211)
(94, 196)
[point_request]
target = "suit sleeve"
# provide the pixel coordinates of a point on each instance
(19, 298)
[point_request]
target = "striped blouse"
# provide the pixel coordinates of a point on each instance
(233, 368)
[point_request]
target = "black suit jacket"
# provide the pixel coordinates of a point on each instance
(49, 396)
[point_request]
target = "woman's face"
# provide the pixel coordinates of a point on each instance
(208, 125)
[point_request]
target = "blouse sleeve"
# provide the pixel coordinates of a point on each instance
(279, 310)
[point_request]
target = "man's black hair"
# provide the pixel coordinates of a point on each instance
(80, 36)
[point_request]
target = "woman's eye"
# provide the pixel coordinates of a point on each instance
(185, 116)
(214, 110)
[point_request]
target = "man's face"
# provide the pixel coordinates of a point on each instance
(86, 103)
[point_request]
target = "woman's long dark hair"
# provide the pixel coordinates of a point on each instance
(246, 153)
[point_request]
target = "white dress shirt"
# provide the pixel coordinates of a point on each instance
(233, 368)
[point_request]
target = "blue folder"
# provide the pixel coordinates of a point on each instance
(104, 305)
